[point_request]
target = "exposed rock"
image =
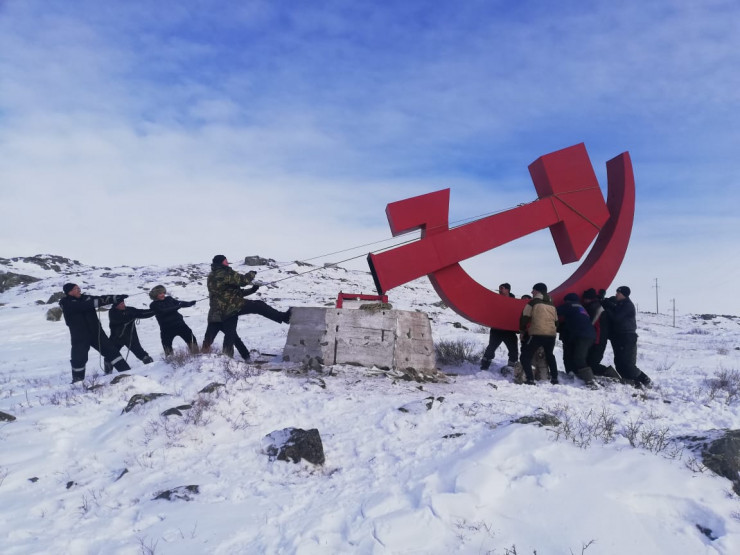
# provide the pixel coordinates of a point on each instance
(9, 280)
(141, 399)
(294, 444)
(119, 378)
(259, 261)
(722, 456)
(177, 411)
(45, 261)
(184, 493)
(542, 419)
(54, 314)
(312, 363)
(422, 406)
(5, 417)
(212, 387)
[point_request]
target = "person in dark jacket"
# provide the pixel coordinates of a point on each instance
(171, 323)
(600, 320)
(623, 336)
(496, 337)
(122, 320)
(227, 301)
(577, 334)
(85, 331)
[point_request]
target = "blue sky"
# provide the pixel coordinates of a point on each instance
(165, 132)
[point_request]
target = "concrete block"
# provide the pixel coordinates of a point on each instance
(387, 339)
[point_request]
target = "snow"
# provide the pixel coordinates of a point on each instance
(78, 475)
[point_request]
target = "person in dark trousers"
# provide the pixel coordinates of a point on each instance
(122, 320)
(577, 334)
(496, 337)
(85, 331)
(215, 327)
(539, 320)
(171, 322)
(600, 321)
(227, 301)
(623, 336)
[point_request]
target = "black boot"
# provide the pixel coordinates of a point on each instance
(645, 381)
(485, 364)
(147, 360)
(78, 374)
(120, 364)
(107, 367)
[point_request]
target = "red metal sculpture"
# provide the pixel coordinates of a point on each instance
(569, 202)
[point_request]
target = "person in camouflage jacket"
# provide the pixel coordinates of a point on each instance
(227, 301)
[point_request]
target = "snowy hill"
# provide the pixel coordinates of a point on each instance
(615, 475)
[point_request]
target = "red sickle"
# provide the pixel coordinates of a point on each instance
(570, 203)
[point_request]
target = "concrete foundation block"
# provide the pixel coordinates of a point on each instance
(386, 339)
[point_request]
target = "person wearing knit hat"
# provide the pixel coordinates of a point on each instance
(171, 323)
(227, 303)
(85, 331)
(624, 291)
(498, 336)
(577, 334)
(539, 321)
(623, 336)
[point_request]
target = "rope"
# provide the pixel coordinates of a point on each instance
(451, 225)
(444, 226)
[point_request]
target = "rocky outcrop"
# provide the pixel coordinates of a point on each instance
(259, 261)
(294, 444)
(182, 493)
(9, 280)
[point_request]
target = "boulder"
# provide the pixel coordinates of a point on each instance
(722, 456)
(258, 261)
(141, 399)
(294, 444)
(5, 417)
(54, 314)
(184, 493)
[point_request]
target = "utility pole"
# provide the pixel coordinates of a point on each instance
(674, 312)
(657, 311)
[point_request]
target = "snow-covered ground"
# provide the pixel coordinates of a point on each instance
(79, 475)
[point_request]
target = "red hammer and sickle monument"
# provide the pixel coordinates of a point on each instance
(569, 203)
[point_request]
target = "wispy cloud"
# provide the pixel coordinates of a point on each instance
(141, 132)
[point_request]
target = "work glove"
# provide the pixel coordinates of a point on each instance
(189, 303)
(250, 275)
